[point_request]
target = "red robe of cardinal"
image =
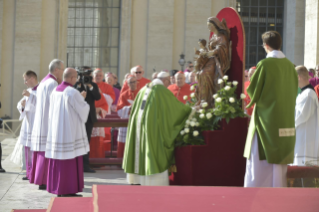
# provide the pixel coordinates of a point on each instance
(106, 89)
(247, 100)
(140, 84)
(181, 92)
(123, 100)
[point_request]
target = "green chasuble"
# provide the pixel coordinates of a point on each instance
(273, 88)
(156, 119)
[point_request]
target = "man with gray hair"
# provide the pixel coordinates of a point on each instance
(40, 129)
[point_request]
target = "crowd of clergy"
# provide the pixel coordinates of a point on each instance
(59, 113)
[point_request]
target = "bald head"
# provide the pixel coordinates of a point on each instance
(251, 72)
(180, 79)
(70, 75)
(303, 76)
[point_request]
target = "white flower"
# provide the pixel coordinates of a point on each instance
(204, 104)
(185, 97)
(192, 87)
(242, 96)
(208, 115)
(218, 99)
(231, 100)
(235, 83)
(202, 116)
(186, 130)
(220, 81)
(182, 132)
(192, 95)
(201, 111)
(197, 124)
(227, 88)
(187, 121)
(195, 133)
(192, 124)
(215, 96)
(225, 77)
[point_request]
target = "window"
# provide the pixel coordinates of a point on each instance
(258, 17)
(93, 34)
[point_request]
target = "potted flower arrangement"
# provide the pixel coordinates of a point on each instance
(226, 106)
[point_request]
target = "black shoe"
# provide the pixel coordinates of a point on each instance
(2, 170)
(42, 187)
(25, 178)
(89, 170)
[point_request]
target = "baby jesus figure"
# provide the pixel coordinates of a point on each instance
(200, 60)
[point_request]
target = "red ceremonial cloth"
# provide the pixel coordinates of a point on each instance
(317, 90)
(184, 198)
(120, 149)
(67, 204)
(29, 210)
(140, 84)
(185, 90)
(128, 94)
(39, 169)
(102, 103)
(248, 100)
(65, 176)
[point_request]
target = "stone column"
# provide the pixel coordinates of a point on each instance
(125, 39)
(62, 30)
(7, 56)
(311, 55)
(294, 28)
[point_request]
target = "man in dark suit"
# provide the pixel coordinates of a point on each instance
(93, 94)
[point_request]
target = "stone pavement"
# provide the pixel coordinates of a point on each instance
(16, 193)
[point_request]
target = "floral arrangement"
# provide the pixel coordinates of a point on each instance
(227, 106)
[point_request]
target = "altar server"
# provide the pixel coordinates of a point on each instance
(127, 98)
(67, 139)
(181, 88)
(271, 136)
(156, 119)
(306, 121)
(26, 107)
(41, 123)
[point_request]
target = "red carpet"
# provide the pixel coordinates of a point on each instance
(225, 199)
(71, 204)
(29, 210)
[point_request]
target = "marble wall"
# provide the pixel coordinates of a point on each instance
(311, 47)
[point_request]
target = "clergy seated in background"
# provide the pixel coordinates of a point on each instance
(306, 121)
(181, 88)
(247, 100)
(156, 119)
(271, 136)
(138, 72)
(67, 139)
(26, 107)
(40, 128)
(123, 111)
(109, 79)
(106, 89)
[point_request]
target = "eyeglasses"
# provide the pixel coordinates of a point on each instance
(133, 82)
(190, 66)
(138, 72)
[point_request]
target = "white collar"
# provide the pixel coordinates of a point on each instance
(276, 54)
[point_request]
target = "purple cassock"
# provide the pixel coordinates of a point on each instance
(117, 95)
(65, 176)
(38, 173)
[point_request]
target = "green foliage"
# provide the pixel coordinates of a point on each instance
(227, 106)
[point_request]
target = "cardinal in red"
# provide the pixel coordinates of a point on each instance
(138, 72)
(181, 88)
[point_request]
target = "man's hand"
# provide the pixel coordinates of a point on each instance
(83, 93)
(25, 93)
(89, 85)
(98, 110)
(23, 103)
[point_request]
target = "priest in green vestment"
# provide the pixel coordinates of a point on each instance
(271, 136)
(155, 121)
